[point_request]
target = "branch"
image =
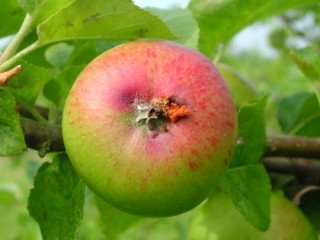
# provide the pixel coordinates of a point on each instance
(303, 168)
(18, 38)
(277, 146)
(42, 137)
(48, 138)
(6, 76)
(293, 146)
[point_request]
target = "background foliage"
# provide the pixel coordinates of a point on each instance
(55, 39)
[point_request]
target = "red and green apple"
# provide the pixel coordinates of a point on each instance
(150, 126)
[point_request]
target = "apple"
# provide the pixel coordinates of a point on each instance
(150, 126)
(219, 219)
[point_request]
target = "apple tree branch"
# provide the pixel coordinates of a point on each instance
(284, 154)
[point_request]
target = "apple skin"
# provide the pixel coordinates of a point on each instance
(138, 170)
(218, 219)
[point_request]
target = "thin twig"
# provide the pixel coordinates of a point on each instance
(6, 76)
(18, 38)
(293, 146)
(7, 64)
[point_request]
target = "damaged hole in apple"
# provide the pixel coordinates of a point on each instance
(158, 113)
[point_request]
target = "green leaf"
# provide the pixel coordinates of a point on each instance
(252, 137)
(115, 221)
(27, 85)
(49, 8)
(41, 10)
(241, 88)
(58, 54)
(12, 16)
(250, 189)
(181, 22)
(310, 128)
(308, 60)
(101, 19)
(31, 5)
(11, 136)
(56, 201)
(297, 111)
(58, 88)
(219, 21)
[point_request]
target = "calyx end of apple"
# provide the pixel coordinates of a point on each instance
(159, 112)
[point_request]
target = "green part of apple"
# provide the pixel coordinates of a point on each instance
(150, 126)
(241, 88)
(218, 219)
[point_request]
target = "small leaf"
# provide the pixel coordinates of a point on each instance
(102, 19)
(56, 201)
(11, 136)
(308, 60)
(58, 88)
(252, 137)
(115, 221)
(12, 16)
(220, 21)
(250, 189)
(181, 22)
(58, 54)
(297, 111)
(27, 85)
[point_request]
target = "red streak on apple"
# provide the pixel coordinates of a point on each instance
(149, 125)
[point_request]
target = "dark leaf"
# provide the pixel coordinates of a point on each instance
(11, 136)
(56, 201)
